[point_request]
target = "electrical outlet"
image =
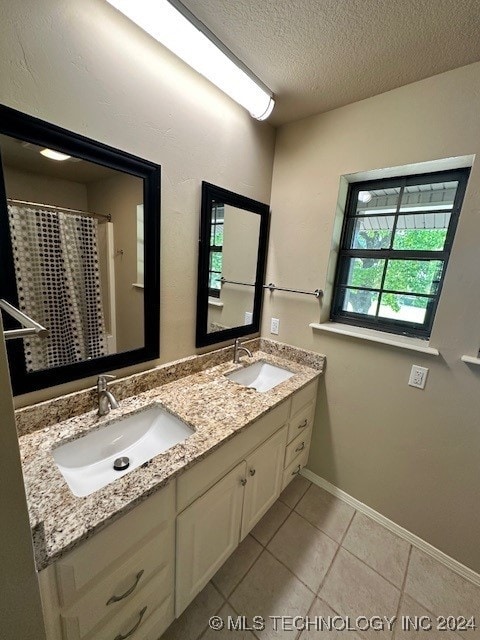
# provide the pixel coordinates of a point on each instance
(248, 317)
(274, 326)
(418, 376)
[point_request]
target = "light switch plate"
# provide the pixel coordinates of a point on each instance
(418, 376)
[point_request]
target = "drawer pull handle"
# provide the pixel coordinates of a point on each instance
(252, 472)
(243, 482)
(304, 424)
(131, 590)
(297, 471)
(300, 447)
(133, 629)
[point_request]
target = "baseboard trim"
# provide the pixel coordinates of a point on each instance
(410, 537)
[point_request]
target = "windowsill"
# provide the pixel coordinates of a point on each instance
(213, 302)
(402, 342)
(137, 285)
(470, 359)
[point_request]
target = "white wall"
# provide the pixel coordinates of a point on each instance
(412, 455)
(85, 67)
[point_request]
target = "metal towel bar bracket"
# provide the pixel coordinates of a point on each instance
(30, 326)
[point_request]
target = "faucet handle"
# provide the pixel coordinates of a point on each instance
(103, 380)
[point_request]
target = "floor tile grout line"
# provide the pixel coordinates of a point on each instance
(300, 498)
(276, 530)
(335, 555)
(402, 592)
(243, 576)
(317, 527)
(290, 571)
(373, 568)
(215, 612)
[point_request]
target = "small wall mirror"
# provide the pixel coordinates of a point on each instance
(79, 230)
(232, 257)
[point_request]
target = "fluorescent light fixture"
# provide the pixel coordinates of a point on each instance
(178, 30)
(54, 155)
(364, 196)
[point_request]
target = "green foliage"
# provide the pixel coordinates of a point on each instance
(409, 276)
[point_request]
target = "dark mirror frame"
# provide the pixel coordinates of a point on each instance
(211, 193)
(24, 127)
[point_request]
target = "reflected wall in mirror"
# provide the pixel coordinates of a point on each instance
(78, 230)
(232, 260)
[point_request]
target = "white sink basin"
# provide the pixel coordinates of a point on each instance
(260, 376)
(87, 463)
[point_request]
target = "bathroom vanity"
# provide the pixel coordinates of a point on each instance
(127, 559)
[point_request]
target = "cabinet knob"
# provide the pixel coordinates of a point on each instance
(304, 424)
(297, 471)
(243, 482)
(252, 472)
(300, 447)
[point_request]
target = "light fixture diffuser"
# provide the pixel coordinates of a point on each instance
(54, 155)
(178, 30)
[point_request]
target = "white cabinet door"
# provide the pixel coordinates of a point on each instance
(208, 531)
(264, 479)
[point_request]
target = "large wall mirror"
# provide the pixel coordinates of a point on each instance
(233, 247)
(79, 251)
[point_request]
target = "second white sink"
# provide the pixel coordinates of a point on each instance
(87, 464)
(260, 376)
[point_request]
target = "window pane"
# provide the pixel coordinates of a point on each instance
(422, 231)
(360, 301)
(377, 201)
(372, 233)
(215, 261)
(413, 276)
(424, 197)
(403, 307)
(214, 281)
(365, 272)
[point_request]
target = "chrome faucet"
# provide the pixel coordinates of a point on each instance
(238, 348)
(106, 400)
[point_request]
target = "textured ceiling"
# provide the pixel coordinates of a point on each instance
(316, 55)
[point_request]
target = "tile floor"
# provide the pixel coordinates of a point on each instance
(314, 556)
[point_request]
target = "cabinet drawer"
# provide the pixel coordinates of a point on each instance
(304, 396)
(109, 596)
(301, 421)
(294, 468)
(148, 610)
(299, 444)
(76, 571)
(204, 474)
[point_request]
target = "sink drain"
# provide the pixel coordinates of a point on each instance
(120, 464)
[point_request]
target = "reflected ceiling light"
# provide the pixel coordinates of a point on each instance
(54, 155)
(364, 196)
(177, 29)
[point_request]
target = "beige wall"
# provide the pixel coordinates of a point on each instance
(83, 66)
(119, 196)
(412, 455)
(20, 608)
(44, 189)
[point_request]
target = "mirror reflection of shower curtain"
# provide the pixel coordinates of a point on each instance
(58, 282)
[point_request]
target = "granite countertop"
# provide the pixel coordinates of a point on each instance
(216, 407)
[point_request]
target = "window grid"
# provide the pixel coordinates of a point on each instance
(216, 248)
(388, 254)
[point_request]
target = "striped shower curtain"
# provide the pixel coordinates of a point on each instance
(58, 282)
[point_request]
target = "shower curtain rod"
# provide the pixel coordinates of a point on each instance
(108, 216)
